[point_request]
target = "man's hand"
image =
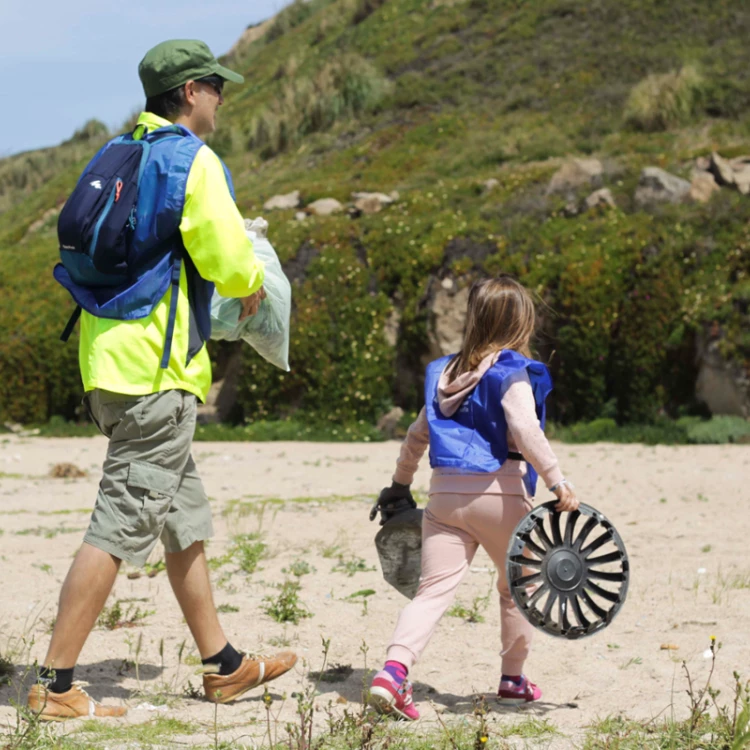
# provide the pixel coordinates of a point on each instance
(251, 304)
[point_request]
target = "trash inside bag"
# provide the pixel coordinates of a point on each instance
(268, 330)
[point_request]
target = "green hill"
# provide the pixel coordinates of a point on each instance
(431, 99)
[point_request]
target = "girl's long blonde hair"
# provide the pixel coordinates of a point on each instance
(500, 315)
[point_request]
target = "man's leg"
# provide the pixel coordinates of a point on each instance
(188, 575)
(84, 593)
(227, 673)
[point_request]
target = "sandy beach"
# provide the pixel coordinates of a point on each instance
(680, 511)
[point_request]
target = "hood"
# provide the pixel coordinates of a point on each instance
(452, 395)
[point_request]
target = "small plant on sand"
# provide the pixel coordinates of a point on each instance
(474, 612)
(329, 551)
(361, 597)
(286, 607)
(299, 568)
(351, 565)
(247, 550)
(116, 616)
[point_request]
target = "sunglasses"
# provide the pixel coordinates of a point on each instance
(215, 82)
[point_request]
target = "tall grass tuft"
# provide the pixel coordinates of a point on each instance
(364, 9)
(290, 17)
(345, 88)
(663, 101)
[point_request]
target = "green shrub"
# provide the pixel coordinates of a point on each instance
(663, 101)
(719, 430)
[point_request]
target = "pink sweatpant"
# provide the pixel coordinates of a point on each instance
(453, 528)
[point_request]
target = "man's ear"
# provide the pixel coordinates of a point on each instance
(191, 93)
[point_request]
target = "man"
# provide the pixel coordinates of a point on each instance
(150, 487)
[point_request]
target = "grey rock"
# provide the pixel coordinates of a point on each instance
(392, 327)
(721, 170)
(702, 186)
(723, 386)
(576, 173)
(602, 198)
(325, 207)
(388, 423)
(447, 318)
(371, 203)
(741, 168)
(490, 185)
(658, 186)
(282, 202)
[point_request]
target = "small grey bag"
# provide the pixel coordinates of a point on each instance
(399, 540)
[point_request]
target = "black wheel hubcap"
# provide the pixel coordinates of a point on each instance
(563, 583)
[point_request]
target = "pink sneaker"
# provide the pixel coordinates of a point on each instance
(512, 694)
(386, 697)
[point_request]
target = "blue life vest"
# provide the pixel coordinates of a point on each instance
(475, 438)
(155, 251)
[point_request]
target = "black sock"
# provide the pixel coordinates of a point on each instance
(56, 680)
(228, 659)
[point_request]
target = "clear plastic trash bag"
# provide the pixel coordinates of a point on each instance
(268, 330)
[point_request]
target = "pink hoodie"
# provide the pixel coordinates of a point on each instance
(525, 436)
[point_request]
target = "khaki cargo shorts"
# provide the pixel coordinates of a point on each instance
(150, 487)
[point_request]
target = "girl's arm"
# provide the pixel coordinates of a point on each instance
(412, 449)
(523, 425)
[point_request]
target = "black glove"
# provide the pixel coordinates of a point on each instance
(393, 500)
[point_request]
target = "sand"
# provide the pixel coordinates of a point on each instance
(681, 512)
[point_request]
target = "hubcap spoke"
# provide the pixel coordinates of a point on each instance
(608, 558)
(582, 619)
(526, 580)
(526, 561)
(535, 548)
(593, 606)
(603, 576)
(569, 526)
(551, 599)
(537, 595)
(556, 533)
(610, 596)
(541, 532)
(586, 529)
(600, 542)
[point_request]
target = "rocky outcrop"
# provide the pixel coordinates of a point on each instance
(447, 316)
(657, 186)
(325, 207)
(723, 386)
(282, 202)
(221, 401)
(388, 423)
(576, 174)
(732, 172)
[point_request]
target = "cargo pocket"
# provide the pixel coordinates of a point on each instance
(150, 492)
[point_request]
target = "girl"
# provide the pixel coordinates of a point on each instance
(483, 420)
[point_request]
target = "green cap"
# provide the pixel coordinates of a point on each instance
(177, 61)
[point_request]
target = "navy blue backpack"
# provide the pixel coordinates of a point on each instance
(97, 228)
